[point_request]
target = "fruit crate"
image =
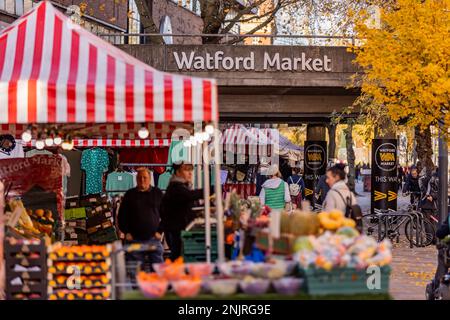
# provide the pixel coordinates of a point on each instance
(282, 245)
(344, 281)
(27, 256)
(199, 257)
(194, 242)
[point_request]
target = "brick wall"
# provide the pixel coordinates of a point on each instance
(112, 11)
(183, 21)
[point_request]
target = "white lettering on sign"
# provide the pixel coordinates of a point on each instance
(218, 60)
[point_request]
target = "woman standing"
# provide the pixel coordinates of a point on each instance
(339, 196)
(275, 192)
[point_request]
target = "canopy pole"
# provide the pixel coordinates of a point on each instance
(218, 191)
(206, 194)
(198, 164)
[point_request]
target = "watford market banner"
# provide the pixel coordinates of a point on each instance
(315, 160)
(384, 174)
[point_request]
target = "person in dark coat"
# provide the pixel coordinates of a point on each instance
(139, 217)
(442, 231)
(176, 207)
(322, 189)
(412, 185)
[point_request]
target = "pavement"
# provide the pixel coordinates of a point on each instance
(412, 268)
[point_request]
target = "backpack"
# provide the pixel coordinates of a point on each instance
(352, 211)
(294, 187)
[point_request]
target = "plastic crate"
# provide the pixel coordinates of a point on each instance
(344, 281)
(194, 242)
(198, 257)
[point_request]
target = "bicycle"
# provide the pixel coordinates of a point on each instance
(388, 223)
(428, 221)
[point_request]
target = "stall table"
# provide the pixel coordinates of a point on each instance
(137, 295)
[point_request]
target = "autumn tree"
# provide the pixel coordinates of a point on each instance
(406, 67)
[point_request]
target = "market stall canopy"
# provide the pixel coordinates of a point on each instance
(54, 71)
(242, 140)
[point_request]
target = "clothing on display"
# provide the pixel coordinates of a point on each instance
(2, 198)
(95, 163)
(35, 152)
(164, 180)
(75, 180)
(145, 155)
(119, 181)
(10, 148)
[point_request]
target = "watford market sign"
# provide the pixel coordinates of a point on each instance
(192, 61)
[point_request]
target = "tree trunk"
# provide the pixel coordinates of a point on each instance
(332, 142)
(145, 11)
(424, 149)
(348, 132)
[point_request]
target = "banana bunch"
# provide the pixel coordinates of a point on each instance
(335, 219)
(25, 221)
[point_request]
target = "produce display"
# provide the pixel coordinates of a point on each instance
(31, 224)
(345, 248)
(335, 219)
(90, 264)
(89, 221)
(26, 270)
(251, 278)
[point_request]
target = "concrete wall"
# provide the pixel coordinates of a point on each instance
(257, 95)
(162, 58)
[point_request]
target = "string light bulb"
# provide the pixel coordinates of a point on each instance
(143, 133)
(40, 144)
(209, 129)
(26, 136)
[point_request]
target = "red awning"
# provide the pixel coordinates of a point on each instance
(115, 143)
(54, 71)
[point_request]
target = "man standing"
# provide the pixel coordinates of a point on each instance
(139, 216)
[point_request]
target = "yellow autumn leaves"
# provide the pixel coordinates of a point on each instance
(406, 61)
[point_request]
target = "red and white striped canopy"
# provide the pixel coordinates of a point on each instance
(114, 143)
(54, 71)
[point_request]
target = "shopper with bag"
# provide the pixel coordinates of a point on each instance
(296, 187)
(340, 197)
(275, 192)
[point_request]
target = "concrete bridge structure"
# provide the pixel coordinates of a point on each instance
(286, 84)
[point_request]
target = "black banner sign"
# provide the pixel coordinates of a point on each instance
(384, 174)
(315, 165)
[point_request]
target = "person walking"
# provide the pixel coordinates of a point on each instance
(358, 172)
(400, 176)
(412, 186)
(275, 192)
(139, 217)
(339, 197)
(176, 207)
(296, 187)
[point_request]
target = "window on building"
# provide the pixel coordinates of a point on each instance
(165, 27)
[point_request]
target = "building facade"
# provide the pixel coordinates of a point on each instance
(98, 16)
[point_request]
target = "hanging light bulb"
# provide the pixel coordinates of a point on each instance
(70, 145)
(205, 136)
(209, 129)
(198, 137)
(193, 141)
(40, 144)
(26, 136)
(57, 140)
(48, 141)
(187, 143)
(143, 132)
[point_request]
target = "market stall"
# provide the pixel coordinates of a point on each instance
(247, 149)
(64, 83)
(305, 255)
